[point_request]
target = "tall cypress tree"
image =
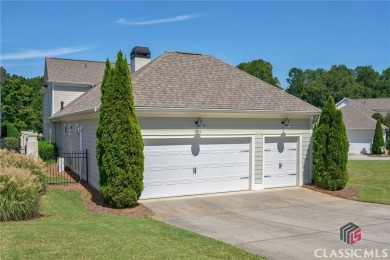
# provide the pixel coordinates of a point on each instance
(330, 143)
(119, 145)
(378, 138)
(101, 129)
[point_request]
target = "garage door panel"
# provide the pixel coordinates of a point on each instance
(219, 164)
(280, 162)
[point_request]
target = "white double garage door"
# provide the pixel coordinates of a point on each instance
(177, 167)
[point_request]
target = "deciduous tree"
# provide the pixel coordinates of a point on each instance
(260, 69)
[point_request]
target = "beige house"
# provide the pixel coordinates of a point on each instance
(207, 126)
(360, 126)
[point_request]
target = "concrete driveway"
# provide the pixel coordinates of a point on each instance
(293, 223)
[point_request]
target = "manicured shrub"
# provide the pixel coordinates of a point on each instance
(46, 150)
(11, 143)
(119, 145)
(330, 149)
(378, 141)
(9, 130)
(19, 194)
(34, 165)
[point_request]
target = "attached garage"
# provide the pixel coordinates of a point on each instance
(203, 131)
(176, 167)
(360, 142)
(280, 162)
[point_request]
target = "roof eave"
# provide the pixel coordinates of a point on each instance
(70, 83)
(229, 110)
(141, 110)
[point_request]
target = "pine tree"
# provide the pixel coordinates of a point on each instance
(378, 141)
(330, 143)
(119, 141)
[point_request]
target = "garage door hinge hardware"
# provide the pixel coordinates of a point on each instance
(244, 151)
(291, 149)
(267, 150)
(194, 170)
(292, 174)
(245, 177)
(267, 176)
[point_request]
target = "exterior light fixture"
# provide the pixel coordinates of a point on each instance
(199, 123)
(286, 123)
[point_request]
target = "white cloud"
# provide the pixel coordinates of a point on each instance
(178, 18)
(31, 53)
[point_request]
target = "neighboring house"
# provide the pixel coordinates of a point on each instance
(357, 115)
(378, 105)
(207, 126)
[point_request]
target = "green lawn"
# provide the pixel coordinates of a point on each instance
(371, 179)
(70, 231)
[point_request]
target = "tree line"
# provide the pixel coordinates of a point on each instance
(21, 104)
(316, 85)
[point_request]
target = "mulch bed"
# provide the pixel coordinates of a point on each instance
(94, 202)
(346, 193)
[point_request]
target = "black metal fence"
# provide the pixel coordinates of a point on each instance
(66, 167)
(10, 143)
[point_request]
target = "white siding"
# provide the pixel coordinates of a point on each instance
(155, 127)
(66, 94)
(72, 143)
(47, 112)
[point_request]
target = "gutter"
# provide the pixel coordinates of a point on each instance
(184, 110)
(158, 109)
(67, 83)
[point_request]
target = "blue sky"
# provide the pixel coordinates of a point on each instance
(306, 34)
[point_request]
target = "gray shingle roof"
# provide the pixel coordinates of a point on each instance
(358, 116)
(381, 104)
(194, 81)
(77, 71)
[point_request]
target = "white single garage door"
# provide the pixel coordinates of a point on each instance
(359, 144)
(280, 162)
(175, 167)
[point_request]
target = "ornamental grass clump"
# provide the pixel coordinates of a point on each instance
(19, 194)
(34, 165)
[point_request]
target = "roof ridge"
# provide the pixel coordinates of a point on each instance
(94, 61)
(153, 63)
(371, 98)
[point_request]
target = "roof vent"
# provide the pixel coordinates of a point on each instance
(140, 56)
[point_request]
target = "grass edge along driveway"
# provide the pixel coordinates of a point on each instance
(70, 231)
(371, 179)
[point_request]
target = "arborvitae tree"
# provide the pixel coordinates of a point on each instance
(100, 145)
(378, 141)
(330, 143)
(119, 141)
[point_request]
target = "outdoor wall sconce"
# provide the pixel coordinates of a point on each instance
(286, 123)
(199, 123)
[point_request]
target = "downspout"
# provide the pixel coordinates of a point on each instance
(311, 149)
